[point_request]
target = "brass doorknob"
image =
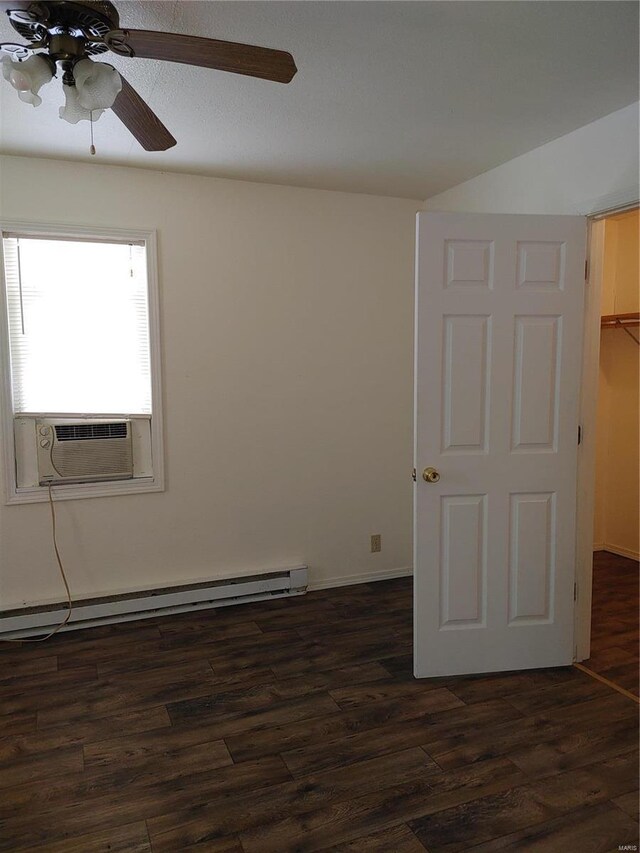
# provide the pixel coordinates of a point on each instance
(430, 475)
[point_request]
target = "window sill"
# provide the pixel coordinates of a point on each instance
(77, 491)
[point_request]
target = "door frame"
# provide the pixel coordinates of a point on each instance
(586, 478)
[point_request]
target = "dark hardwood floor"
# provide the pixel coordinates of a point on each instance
(296, 725)
(615, 637)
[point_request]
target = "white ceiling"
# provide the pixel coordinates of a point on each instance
(392, 98)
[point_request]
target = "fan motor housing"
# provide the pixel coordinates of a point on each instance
(76, 18)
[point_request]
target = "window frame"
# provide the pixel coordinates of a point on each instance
(36, 494)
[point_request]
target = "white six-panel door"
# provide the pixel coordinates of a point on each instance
(499, 306)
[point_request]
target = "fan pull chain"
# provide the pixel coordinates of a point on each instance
(92, 149)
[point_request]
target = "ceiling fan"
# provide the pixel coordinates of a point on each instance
(69, 32)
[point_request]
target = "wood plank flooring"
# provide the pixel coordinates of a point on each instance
(296, 725)
(615, 637)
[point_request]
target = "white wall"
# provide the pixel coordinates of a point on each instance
(287, 355)
(567, 176)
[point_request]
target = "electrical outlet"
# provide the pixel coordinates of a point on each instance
(376, 543)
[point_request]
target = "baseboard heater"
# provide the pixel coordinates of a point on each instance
(144, 604)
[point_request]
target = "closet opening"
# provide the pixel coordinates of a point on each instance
(612, 348)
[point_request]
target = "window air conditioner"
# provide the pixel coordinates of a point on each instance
(83, 450)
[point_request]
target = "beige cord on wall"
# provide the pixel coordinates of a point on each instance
(64, 581)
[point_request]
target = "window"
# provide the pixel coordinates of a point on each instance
(81, 341)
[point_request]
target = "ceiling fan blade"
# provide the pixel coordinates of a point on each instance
(140, 120)
(277, 65)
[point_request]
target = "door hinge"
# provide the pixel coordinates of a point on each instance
(414, 476)
(586, 270)
(579, 434)
(575, 592)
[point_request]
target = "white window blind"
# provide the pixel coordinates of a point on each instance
(78, 326)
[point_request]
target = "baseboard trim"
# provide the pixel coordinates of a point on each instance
(621, 552)
(86, 613)
(365, 577)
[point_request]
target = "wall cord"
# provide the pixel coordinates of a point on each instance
(64, 581)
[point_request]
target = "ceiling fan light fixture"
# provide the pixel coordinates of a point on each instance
(71, 31)
(73, 111)
(28, 77)
(97, 84)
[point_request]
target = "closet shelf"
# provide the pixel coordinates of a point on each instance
(621, 321)
(632, 319)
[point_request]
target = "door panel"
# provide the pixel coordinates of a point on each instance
(463, 562)
(465, 383)
(541, 265)
(532, 524)
(499, 303)
(535, 384)
(469, 264)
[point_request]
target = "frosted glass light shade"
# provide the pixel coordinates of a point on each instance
(98, 84)
(27, 77)
(73, 111)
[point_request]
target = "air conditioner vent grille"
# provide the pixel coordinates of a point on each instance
(78, 432)
(84, 451)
